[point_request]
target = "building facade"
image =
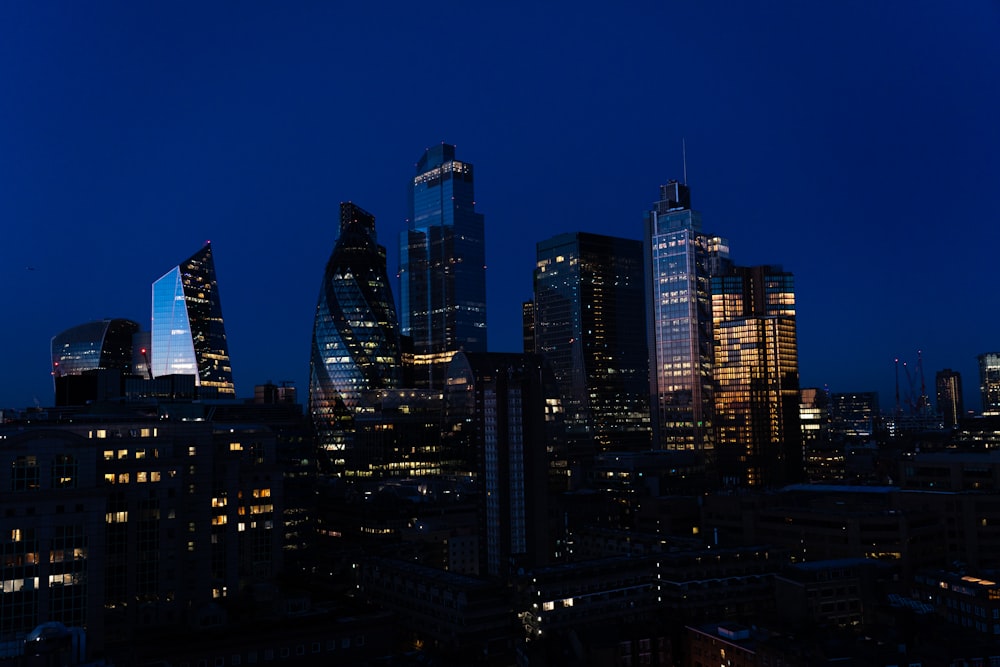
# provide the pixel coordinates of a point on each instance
(442, 265)
(680, 262)
(188, 335)
(950, 404)
(589, 323)
(94, 345)
(355, 345)
(756, 371)
(989, 382)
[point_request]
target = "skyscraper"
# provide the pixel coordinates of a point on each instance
(589, 324)
(948, 384)
(355, 345)
(989, 382)
(188, 335)
(94, 345)
(680, 262)
(756, 371)
(443, 263)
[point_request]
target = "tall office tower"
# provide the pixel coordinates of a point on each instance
(355, 345)
(442, 264)
(854, 417)
(590, 326)
(528, 326)
(822, 459)
(188, 335)
(680, 261)
(756, 370)
(94, 345)
(502, 406)
(949, 396)
(989, 382)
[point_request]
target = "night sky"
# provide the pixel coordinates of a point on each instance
(854, 143)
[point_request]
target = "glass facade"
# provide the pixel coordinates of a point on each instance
(94, 345)
(356, 343)
(188, 335)
(442, 258)
(756, 371)
(989, 382)
(679, 320)
(589, 324)
(951, 406)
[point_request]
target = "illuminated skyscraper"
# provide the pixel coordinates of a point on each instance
(355, 345)
(443, 264)
(756, 369)
(989, 382)
(188, 335)
(680, 262)
(948, 384)
(589, 324)
(94, 345)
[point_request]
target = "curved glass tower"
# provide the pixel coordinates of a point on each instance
(94, 345)
(355, 346)
(188, 335)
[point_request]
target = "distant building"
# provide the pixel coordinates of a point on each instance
(989, 382)
(94, 345)
(756, 371)
(854, 417)
(680, 261)
(188, 334)
(589, 324)
(528, 326)
(356, 343)
(442, 265)
(823, 460)
(949, 396)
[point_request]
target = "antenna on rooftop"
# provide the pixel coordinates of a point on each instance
(684, 157)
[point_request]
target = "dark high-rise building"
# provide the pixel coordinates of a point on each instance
(823, 460)
(501, 405)
(949, 396)
(989, 382)
(589, 324)
(528, 326)
(680, 261)
(356, 345)
(95, 345)
(188, 334)
(756, 370)
(854, 417)
(443, 264)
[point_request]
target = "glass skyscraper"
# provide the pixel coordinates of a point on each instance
(989, 382)
(188, 335)
(681, 260)
(589, 324)
(94, 345)
(758, 439)
(950, 403)
(443, 262)
(355, 345)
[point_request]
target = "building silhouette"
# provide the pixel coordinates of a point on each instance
(442, 269)
(100, 344)
(355, 344)
(950, 404)
(188, 335)
(989, 382)
(756, 371)
(589, 324)
(680, 261)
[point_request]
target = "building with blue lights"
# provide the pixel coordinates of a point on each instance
(356, 340)
(188, 335)
(442, 265)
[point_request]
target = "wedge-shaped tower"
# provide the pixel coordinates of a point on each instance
(188, 336)
(355, 345)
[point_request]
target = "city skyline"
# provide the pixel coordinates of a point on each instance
(818, 139)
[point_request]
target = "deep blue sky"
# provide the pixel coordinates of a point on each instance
(854, 143)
